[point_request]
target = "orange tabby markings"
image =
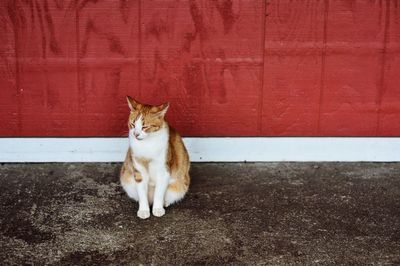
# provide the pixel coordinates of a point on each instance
(156, 156)
(138, 177)
(128, 171)
(144, 162)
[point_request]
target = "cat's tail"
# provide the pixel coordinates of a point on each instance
(176, 190)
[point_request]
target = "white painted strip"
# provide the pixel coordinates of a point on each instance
(207, 149)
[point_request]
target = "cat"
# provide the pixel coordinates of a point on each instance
(156, 167)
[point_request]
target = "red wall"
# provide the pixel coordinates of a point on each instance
(236, 68)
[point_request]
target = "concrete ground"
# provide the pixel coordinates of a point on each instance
(264, 213)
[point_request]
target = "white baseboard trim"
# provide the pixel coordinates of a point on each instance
(257, 149)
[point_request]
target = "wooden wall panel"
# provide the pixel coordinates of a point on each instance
(108, 64)
(355, 38)
(388, 98)
(46, 69)
(9, 107)
(205, 57)
(294, 41)
(229, 68)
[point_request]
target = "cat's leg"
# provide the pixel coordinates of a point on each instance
(150, 194)
(162, 180)
(128, 183)
(142, 187)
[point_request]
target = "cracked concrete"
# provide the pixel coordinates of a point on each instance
(254, 213)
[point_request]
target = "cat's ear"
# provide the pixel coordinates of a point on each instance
(162, 109)
(133, 105)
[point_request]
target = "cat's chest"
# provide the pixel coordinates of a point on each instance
(146, 150)
(151, 149)
(150, 159)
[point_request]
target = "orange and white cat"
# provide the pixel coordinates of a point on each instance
(156, 168)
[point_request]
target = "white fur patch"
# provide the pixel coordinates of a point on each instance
(131, 190)
(137, 131)
(152, 147)
(139, 123)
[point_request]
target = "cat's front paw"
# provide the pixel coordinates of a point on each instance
(143, 214)
(158, 212)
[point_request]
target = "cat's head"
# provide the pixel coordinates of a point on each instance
(145, 119)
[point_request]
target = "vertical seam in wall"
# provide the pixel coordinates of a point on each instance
(46, 90)
(17, 68)
(78, 62)
(261, 90)
(381, 87)
(323, 65)
(140, 47)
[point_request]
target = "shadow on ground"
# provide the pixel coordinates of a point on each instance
(264, 213)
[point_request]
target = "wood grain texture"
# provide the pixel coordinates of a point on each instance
(294, 44)
(228, 68)
(355, 38)
(108, 63)
(45, 67)
(205, 58)
(9, 93)
(388, 98)
(326, 68)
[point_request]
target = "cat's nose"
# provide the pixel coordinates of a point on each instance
(136, 134)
